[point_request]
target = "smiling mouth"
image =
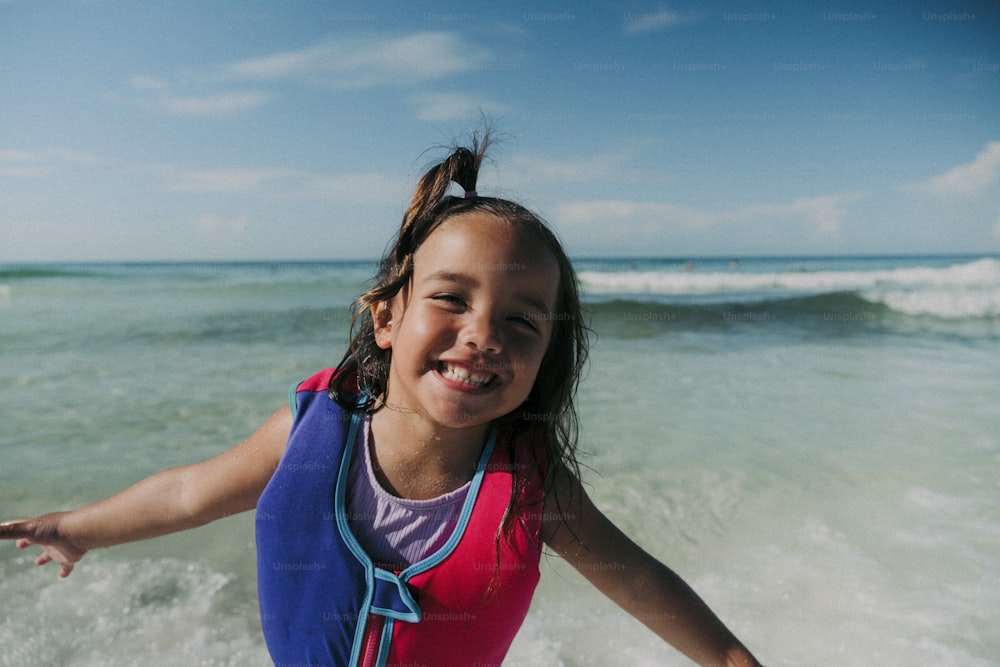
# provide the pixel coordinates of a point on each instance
(466, 376)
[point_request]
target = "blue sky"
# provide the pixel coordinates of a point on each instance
(264, 130)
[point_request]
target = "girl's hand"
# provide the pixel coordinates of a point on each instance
(172, 500)
(45, 532)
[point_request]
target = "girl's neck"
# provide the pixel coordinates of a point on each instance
(419, 461)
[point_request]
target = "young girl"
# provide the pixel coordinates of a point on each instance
(403, 498)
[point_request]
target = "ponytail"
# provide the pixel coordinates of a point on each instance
(461, 167)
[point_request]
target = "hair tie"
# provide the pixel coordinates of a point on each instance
(469, 194)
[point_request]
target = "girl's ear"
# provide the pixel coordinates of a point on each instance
(382, 322)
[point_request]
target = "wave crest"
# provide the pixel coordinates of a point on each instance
(966, 290)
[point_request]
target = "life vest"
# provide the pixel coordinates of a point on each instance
(324, 602)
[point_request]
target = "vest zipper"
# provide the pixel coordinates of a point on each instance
(373, 638)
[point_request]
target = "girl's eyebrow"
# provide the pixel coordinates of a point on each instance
(526, 298)
(449, 277)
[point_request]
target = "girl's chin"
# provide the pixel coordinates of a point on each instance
(459, 417)
(463, 416)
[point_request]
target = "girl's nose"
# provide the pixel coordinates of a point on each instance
(480, 333)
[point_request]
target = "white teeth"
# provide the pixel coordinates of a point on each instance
(465, 376)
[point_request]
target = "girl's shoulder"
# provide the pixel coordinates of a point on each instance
(337, 381)
(318, 381)
(340, 386)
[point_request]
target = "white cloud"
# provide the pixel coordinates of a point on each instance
(160, 95)
(14, 155)
(22, 163)
(212, 105)
(980, 175)
(453, 106)
(357, 188)
(365, 63)
(278, 65)
(644, 215)
(235, 180)
(353, 63)
(277, 182)
(822, 216)
(535, 170)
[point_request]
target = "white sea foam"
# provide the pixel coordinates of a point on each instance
(944, 303)
(118, 613)
(980, 273)
(964, 290)
(983, 273)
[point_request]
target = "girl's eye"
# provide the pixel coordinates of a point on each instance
(526, 321)
(450, 299)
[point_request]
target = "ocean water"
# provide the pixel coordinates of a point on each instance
(813, 443)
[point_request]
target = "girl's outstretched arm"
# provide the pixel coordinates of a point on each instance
(169, 501)
(576, 530)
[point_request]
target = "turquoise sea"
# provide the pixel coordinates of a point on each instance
(813, 443)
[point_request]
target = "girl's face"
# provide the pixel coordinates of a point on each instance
(469, 332)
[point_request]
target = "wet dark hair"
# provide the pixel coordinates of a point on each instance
(549, 414)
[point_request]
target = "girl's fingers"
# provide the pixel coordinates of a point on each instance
(11, 530)
(24, 533)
